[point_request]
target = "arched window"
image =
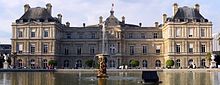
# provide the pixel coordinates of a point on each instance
(158, 63)
(145, 63)
(45, 63)
(112, 63)
(66, 63)
(79, 63)
(19, 63)
(190, 62)
(32, 62)
(178, 63)
(203, 63)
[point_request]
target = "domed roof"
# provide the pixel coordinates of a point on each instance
(112, 20)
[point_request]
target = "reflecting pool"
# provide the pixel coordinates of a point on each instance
(115, 78)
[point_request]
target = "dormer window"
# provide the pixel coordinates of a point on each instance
(190, 32)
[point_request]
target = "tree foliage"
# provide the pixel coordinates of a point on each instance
(208, 56)
(169, 63)
(90, 63)
(134, 63)
(52, 62)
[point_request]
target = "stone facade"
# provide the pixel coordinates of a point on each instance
(38, 38)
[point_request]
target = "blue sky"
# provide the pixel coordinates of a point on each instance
(87, 11)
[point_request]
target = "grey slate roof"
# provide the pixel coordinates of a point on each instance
(189, 14)
(38, 13)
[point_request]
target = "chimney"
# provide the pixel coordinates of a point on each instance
(140, 24)
(49, 8)
(156, 24)
(123, 19)
(164, 18)
(67, 24)
(84, 24)
(100, 19)
(26, 7)
(59, 18)
(197, 7)
(175, 8)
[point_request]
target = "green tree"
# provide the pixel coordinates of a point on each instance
(208, 57)
(52, 63)
(134, 63)
(169, 63)
(90, 63)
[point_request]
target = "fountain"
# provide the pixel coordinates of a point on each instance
(102, 58)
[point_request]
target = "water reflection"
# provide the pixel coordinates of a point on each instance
(115, 78)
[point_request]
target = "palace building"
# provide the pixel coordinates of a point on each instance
(38, 37)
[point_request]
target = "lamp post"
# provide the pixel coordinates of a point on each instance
(14, 54)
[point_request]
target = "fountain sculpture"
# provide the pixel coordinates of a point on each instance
(102, 58)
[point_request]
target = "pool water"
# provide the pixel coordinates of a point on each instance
(115, 78)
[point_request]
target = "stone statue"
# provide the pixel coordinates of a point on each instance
(5, 57)
(5, 64)
(102, 67)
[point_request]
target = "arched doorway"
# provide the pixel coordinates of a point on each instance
(44, 63)
(158, 63)
(19, 63)
(66, 64)
(32, 62)
(190, 62)
(203, 63)
(78, 64)
(178, 63)
(112, 64)
(145, 63)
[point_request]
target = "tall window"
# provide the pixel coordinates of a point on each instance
(80, 35)
(190, 48)
(68, 35)
(158, 63)
(142, 36)
(66, 64)
(92, 50)
(19, 63)
(46, 33)
(177, 48)
(45, 63)
(79, 50)
(131, 50)
(66, 51)
(178, 62)
(118, 47)
(144, 49)
(202, 32)
(33, 32)
(32, 62)
(112, 49)
(20, 33)
(93, 35)
(155, 35)
(19, 48)
(203, 48)
(158, 49)
(45, 48)
(32, 48)
(145, 63)
(203, 63)
(190, 32)
(130, 35)
(178, 32)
